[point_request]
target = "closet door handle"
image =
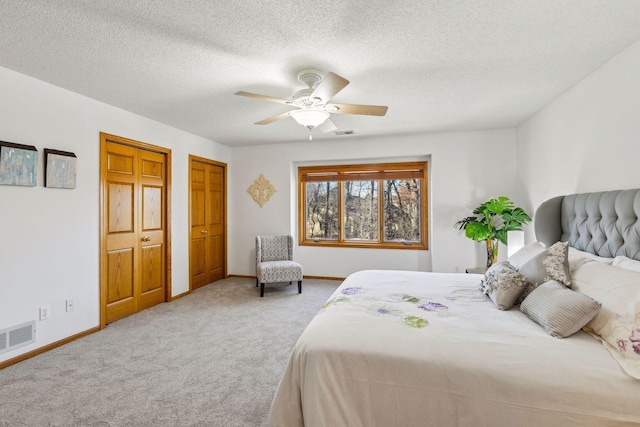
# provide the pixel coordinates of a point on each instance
(203, 232)
(146, 238)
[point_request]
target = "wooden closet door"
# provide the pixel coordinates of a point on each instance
(198, 207)
(121, 216)
(133, 274)
(208, 222)
(151, 236)
(216, 225)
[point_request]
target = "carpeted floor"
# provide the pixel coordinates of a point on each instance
(212, 358)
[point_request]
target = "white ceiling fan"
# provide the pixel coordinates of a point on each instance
(313, 107)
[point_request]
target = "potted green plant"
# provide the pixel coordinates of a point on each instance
(491, 221)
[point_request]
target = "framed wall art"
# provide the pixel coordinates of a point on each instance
(18, 164)
(59, 169)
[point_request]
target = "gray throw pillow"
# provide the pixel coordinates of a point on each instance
(559, 310)
(550, 264)
(503, 284)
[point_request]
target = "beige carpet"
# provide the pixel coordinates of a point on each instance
(212, 358)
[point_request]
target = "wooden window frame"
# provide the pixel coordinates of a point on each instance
(361, 172)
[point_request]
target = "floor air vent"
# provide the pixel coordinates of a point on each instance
(17, 336)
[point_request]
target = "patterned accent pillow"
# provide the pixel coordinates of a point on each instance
(503, 284)
(617, 325)
(550, 264)
(559, 310)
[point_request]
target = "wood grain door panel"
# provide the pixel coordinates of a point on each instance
(152, 165)
(120, 201)
(151, 208)
(215, 264)
(198, 263)
(151, 276)
(120, 272)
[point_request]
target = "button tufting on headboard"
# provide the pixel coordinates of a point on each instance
(604, 223)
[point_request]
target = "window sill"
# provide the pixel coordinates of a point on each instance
(388, 245)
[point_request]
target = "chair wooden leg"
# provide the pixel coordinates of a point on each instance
(261, 289)
(299, 286)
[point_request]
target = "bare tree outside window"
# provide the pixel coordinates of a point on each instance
(322, 210)
(402, 210)
(361, 210)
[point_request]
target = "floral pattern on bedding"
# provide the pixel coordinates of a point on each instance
(635, 340)
(626, 330)
(433, 306)
(390, 304)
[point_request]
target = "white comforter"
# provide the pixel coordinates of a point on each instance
(399, 348)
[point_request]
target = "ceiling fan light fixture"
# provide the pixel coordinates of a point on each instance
(309, 117)
(313, 102)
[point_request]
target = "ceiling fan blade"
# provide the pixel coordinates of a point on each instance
(274, 118)
(367, 110)
(327, 126)
(330, 85)
(263, 97)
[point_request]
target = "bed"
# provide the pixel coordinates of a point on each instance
(403, 348)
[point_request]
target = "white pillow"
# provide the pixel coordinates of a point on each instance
(578, 257)
(626, 263)
(617, 324)
(525, 253)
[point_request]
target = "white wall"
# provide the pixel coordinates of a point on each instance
(588, 139)
(49, 238)
(466, 168)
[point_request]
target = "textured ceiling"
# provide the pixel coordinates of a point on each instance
(440, 65)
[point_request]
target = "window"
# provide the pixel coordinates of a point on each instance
(371, 205)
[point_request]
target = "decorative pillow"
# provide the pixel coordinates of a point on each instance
(503, 284)
(617, 324)
(578, 257)
(559, 310)
(525, 253)
(626, 263)
(550, 264)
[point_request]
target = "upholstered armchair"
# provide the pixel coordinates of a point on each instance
(274, 261)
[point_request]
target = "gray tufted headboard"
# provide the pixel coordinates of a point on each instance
(605, 223)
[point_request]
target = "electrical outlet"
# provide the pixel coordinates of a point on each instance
(70, 305)
(45, 312)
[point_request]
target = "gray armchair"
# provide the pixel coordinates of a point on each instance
(274, 261)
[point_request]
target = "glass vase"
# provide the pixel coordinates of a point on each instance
(492, 251)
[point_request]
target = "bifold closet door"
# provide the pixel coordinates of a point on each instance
(134, 210)
(207, 208)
